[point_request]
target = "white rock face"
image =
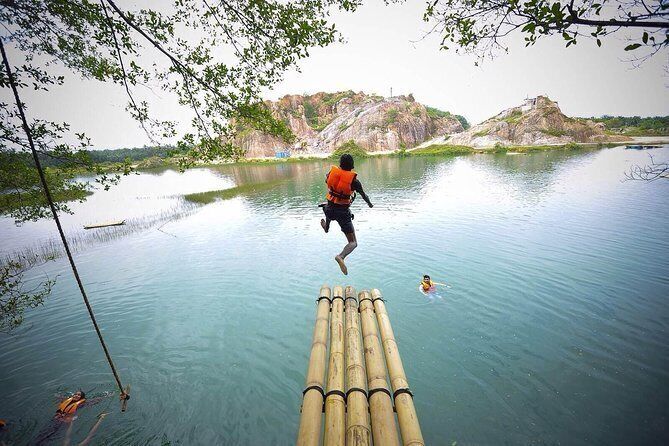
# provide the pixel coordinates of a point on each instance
(324, 121)
(538, 121)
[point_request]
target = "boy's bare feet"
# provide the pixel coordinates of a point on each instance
(323, 225)
(342, 265)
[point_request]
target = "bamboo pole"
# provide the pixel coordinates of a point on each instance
(406, 412)
(335, 403)
(384, 430)
(312, 401)
(358, 432)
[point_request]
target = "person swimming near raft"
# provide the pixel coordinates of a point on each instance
(342, 183)
(68, 407)
(427, 285)
(65, 414)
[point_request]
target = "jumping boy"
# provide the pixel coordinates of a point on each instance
(342, 182)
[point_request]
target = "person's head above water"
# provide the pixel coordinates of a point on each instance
(426, 277)
(78, 395)
(346, 162)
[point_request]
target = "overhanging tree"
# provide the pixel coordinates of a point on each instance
(214, 56)
(481, 26)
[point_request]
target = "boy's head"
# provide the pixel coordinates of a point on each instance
(346, 162)
(426, 277)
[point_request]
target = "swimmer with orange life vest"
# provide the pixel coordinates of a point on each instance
(342, 183)
(427, 285)
(66, 413)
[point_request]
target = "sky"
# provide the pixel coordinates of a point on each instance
(384, 49)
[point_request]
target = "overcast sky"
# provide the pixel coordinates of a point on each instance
(384, 50)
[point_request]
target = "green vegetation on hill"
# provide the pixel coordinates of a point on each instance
(331, 99)
(351, 148)
(514, 117)
(310, 113)
(463, 121)
(554, 132)
(436, 113)
(635, 125)
(391, 117)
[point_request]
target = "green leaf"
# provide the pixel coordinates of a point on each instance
(599, 42)
(632, 46)
(645, 37)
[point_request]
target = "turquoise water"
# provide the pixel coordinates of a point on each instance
(553, 330)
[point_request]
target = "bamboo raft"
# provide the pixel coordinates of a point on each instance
(355, 396)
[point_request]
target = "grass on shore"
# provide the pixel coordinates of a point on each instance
(226, 194)
(442, 149)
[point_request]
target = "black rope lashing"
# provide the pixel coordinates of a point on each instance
(26, 128)
(314, 387)
(337, 297)
(336, 392)
(378, 389)
(323, 297)
(355, 389)
(401, 391)
(366, 298)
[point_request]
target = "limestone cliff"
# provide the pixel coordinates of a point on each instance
(323, 121)
(539, 121)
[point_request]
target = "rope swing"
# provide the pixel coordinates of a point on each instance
(124, 392)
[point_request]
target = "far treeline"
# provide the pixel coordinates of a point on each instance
(635, 125)
(131, 155)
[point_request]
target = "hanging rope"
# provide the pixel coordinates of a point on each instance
(124, 392)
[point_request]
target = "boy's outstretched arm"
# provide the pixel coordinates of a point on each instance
(357, 186)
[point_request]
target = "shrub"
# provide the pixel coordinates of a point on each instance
(350, 147)
(436, 113)
(499, 148)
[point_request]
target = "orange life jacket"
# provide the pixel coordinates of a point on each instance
(339, 185)
(69, 406)
(427, 285)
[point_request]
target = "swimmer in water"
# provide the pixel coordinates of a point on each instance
(427, 285)
(66, 414)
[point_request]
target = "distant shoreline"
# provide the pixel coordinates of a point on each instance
(460, 150)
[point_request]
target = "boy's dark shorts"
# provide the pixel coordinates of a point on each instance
(342, 215)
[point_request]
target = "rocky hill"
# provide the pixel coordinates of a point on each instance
(539, 121)
(323, 121)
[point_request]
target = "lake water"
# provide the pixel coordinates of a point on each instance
(553, 331)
